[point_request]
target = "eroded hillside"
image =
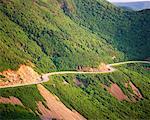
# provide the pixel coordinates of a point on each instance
(122, 94)
(24, 75)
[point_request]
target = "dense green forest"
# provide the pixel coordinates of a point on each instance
(41, 33)
(62, 34)
(128, 31)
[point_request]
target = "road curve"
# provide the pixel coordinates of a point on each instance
(45, 77)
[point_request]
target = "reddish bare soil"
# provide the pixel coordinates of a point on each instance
(56, 109)
(116, 91)
(44, 113)
(10, 100)
(24, 74)
(147, 69)
(135, 90)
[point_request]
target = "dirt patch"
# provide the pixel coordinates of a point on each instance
(147, 69)
(56, 109)
(24, 74)
(116, 91)
(101, 68)
(10, 100)
(135, 90)
(44, 113)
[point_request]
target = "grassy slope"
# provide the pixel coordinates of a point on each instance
(91, 99)
(94, 102)
(43, 34)
(15, 112)
(62, 35)
(29, 96)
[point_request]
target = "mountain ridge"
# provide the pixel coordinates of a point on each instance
(135, 5)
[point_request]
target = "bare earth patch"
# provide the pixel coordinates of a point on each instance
(56, 109)
(10, 100)
(134, 89)
(101, 68)
(24, 74)
(116, 91)
(44, 113)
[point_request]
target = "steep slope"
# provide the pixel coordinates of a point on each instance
(94, 101)
(39, 32)
(44, 105)
(54, 35)
(128, 31)
(123, 95)
(65, 33)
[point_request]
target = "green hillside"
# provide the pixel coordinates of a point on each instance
(90, 98)
(65, 33)
(60, 35)
(41, 33)
(128, 31)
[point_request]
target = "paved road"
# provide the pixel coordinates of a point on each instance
(45, 77)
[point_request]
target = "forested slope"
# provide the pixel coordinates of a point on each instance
(128, 31)
(41, 33)
(62, 34)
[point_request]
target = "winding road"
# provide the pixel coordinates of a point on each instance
(45, 77)
(128, 62)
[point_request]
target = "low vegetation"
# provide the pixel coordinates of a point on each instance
(27, 94)
(90, 98)
(93, 101)
(14, 112)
